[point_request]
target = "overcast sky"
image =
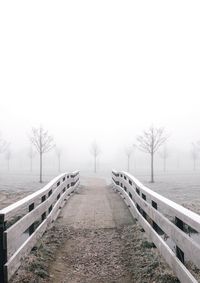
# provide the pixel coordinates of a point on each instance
(101, 70)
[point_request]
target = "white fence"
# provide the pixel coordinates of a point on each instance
(24, 222)
(172, 228)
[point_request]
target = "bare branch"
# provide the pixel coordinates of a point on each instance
(94, 149)
(150, 142)
(42, 143)
(41, 140)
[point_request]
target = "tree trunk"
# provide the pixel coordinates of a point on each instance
(40, 167)
(152, 168)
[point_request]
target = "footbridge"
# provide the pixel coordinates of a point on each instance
(173, 229)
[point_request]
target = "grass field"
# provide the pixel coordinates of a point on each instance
(181, 187)
(14, 186)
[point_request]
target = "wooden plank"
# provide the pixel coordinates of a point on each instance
(179, 269)
(15, 261)
(181, 239)
(176, 265)
(55, 211)
(60, 203)
(13, 234)
(12, 209)
(3, 255)
(187, 216)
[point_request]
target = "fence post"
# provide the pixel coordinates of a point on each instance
(179, 253)
(3, 252)
(32, 227)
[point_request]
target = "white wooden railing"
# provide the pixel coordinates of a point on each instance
(24, 222)
(173, 229)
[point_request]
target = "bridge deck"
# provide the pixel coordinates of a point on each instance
(103, 241)
(92, 254)
(95, 207)
(96, 240)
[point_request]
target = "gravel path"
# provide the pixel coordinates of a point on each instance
(95, 240)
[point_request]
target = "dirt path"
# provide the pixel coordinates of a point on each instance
(96, 207)
(93, 214)
(95, 240)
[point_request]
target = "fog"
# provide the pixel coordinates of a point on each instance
(99, 70)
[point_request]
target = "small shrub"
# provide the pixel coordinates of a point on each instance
(41, 273)
(147, 245)
(167, 278)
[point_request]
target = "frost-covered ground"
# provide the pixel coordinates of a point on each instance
(181, 187)
(94, 240)
(14, 186)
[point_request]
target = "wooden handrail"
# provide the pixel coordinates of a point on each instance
(23, 222)
(162, 219)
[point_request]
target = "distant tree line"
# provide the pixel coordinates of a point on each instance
(150, 142)
(41, 143)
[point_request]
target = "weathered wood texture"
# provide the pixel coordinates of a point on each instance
(165, 222)
(25, 221)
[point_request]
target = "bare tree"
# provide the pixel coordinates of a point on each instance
(194, 154)
(95, 151)
(150, 142)
(128, 152)
(164, 154)
(8, 155)
(58, 152)
(43, 143)
(31, 155)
